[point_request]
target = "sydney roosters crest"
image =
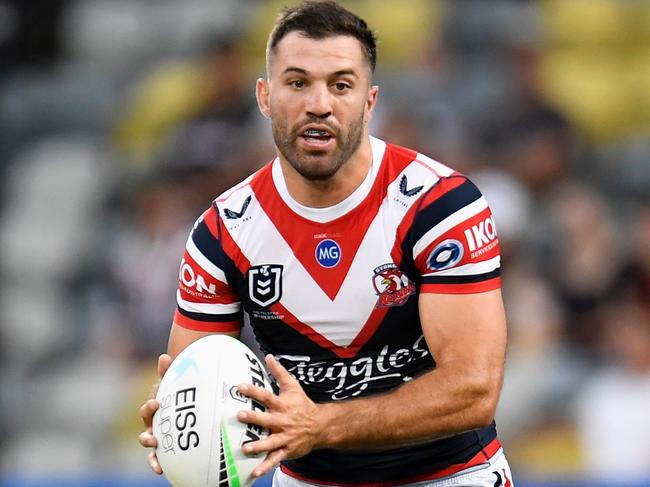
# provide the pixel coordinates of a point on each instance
(391, 285)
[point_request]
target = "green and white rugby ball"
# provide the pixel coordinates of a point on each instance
(199, 437)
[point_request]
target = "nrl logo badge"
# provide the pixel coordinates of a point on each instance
(391, 285)
(265, 284)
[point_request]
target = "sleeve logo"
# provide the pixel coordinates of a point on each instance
(446, 254)
(194, 284)
(481, 237)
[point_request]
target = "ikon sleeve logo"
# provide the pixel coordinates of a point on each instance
(481, 234)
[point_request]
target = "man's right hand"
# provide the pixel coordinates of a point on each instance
(146, 438)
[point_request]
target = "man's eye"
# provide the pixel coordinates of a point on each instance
(340, 86)
(297, 83)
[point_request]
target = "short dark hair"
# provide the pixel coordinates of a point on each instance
(321, 19)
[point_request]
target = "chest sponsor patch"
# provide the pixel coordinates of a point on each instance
(328, 253)
(194, 282)
(347, 379)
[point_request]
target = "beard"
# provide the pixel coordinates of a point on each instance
(316, 165)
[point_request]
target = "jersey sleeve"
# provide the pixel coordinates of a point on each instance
(205, 300)
(456, 249)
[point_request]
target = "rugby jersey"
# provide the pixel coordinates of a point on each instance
(332, 292)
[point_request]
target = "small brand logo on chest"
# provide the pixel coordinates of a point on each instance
(328, 253)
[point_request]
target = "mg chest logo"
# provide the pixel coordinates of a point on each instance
(265, 284)
(328, 253)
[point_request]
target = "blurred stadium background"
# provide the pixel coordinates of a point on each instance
(121, 119)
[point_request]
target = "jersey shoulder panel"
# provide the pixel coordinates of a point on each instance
(410, 175)
(452, 238)
(204, 297)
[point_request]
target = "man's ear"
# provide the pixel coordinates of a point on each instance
(371, 101)
(262, 95)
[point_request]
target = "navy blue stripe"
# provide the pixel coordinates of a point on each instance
(461, 279)
(211, 318)
(207, 244)
(236, 279)
(429, 216)
(448, 204)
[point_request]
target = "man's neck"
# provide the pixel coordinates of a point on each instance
(329, 192)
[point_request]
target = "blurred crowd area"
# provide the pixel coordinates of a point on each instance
(120, 121)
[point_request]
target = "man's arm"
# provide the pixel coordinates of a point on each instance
(466, 334)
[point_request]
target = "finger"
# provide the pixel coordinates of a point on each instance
(268, 444)
(154, 464)
(147, 440)
(259, 394)
(269, 463)
(147, 410)
(282, 375)
(164, 361)
(265, 420)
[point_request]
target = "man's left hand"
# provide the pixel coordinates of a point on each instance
(291, 418)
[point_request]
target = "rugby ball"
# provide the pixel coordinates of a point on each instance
(199, 437)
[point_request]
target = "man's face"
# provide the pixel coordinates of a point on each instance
(319, 99)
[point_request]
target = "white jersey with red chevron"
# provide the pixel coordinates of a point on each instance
(332, 292)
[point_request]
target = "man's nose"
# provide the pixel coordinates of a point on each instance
(319, 102)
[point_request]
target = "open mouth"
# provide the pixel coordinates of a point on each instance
(316, 136)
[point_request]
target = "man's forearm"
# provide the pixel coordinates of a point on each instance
(445, 401)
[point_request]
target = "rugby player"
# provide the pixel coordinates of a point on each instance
(371, 277)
